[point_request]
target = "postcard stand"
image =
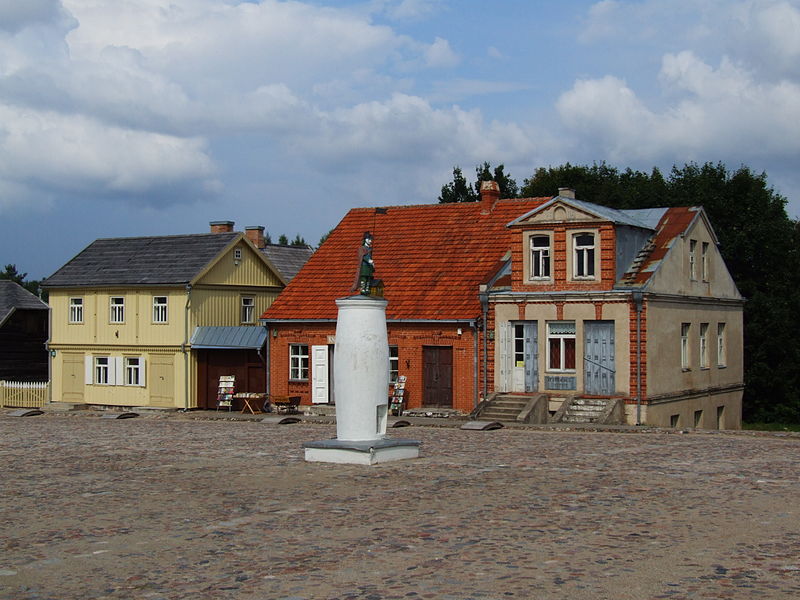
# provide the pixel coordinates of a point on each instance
(227, 384)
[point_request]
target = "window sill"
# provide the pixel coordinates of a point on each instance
(298, 381)
(705, 368)
(722, 366)
(686, 369)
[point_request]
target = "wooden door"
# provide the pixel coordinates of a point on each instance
(72, 378)
(598, 358)
(437, 365)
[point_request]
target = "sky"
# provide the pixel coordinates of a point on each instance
(153, 117)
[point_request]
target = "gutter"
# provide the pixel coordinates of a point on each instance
(638, 302)
(483, 296)
(184, 347)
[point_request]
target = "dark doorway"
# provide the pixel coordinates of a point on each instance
(437, 366)
(246, 365)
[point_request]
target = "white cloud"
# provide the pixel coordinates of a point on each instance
(79, 155)
(722, 114)
(413, 9)
(440, 54)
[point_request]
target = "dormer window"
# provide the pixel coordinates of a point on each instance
(583, 252)
(540, 257)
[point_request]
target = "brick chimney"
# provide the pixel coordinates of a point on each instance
(221, 226)
(490, 193)
(255, 233)
(566, 192)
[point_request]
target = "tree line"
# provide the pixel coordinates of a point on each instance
(758, 241)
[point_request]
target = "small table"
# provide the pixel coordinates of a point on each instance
(251, 402)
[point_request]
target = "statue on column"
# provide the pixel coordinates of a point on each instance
(365, 284)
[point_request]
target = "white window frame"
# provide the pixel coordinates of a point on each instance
(103, 370)
(539, 258)
(394, 363)
(134, 371)
(76, 310)
(116, 309)
(562, 337)
(722, 354)
(693, 260)
(685, 349)
(298, 362)
(248, 305)
(704, 361)
(160, 309)
(704, 261)
(584, 256)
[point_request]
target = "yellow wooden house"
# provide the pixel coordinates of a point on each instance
(154, 321)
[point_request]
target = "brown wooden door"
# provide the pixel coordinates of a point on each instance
(437, 365)
(245, 365)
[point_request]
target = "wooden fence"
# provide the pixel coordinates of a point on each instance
(23, 394)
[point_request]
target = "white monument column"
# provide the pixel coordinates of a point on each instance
(361, 368)
(361, 381)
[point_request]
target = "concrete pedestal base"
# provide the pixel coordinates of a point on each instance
(368, 452)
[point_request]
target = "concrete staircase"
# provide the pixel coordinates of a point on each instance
(590, 410)
(513, 408)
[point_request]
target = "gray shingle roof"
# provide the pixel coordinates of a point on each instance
(160, 260)
(14, 296)
(288, 259)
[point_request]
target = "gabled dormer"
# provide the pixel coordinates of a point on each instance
(570, 245)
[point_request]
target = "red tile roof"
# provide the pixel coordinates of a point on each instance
(431, 258)
(673, 223)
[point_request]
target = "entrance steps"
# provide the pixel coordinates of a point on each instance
(513, 408)
(580, 409)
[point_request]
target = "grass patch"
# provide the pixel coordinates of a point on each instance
(771, 426)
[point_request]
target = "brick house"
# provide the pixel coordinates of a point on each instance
(553, 299)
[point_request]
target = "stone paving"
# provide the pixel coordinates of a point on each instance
(168, 507)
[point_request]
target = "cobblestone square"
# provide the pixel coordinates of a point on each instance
(175, 507)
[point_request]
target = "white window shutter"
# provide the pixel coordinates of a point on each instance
(142, 376)
(115, 375)
(89, 363)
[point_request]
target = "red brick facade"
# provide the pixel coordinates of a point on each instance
(410, 339)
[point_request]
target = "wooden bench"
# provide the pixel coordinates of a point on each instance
(285, 404)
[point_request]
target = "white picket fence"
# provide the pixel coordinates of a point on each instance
(24, 394)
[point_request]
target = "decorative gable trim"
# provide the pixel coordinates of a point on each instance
(241, 238)
(547, 214)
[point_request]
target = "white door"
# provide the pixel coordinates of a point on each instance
(319, 374)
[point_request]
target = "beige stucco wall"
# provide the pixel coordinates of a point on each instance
(673, 276)
(664, 372)
(716, 411)
(579, 312)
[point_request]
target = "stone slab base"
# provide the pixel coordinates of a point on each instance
(368, 452)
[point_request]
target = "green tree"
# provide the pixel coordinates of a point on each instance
(298, 241)
(33, 286)
(283, 240)
(457, 190)
(324, 237)
(508, 186)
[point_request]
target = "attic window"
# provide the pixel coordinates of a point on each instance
(237, 254)
(584, 251)
(540, 257)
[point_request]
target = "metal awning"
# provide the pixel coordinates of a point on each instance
(229, 338)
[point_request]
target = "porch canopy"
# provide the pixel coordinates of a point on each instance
(229, 338)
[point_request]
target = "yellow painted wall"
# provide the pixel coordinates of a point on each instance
(250, 270)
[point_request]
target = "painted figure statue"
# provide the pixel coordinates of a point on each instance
(365, 282)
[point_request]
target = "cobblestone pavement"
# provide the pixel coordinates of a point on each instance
(168, 507)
